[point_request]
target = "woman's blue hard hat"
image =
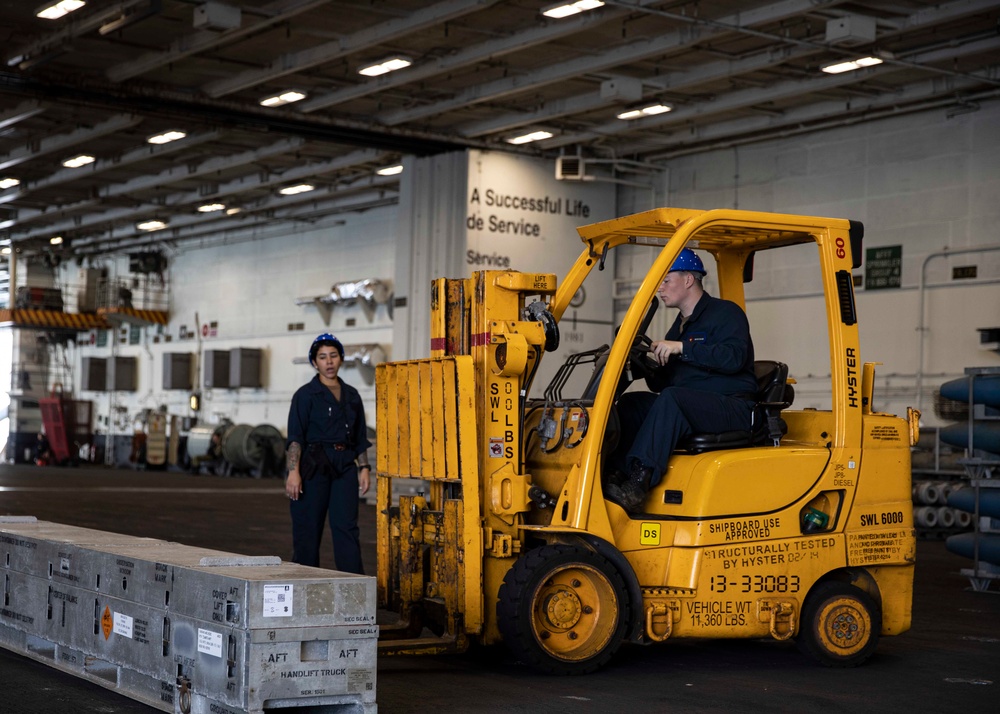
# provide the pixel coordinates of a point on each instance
(688, 261)
(328, 340)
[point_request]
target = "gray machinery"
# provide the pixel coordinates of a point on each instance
(187, 630)
(238, 449)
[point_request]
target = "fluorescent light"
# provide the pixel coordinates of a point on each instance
(385, 66)
(851, 65)
(557, 12)
(5, 250)
(390, 170)
(649, 111)
(55, 240)
(54, 11)
(9, 183)
(292, 95)
(233, 211)
(78, 161)
(533, 136)
(210, 208)
(153, 225)
(298, 188)
(166, 137)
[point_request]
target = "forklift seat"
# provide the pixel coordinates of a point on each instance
(774, 393)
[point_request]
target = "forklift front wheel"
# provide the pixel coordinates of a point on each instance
(563, 609)
(840, 625)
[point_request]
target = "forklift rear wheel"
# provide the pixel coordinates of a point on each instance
(563, 609)
(840, 625)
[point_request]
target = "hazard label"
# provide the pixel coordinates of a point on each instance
(107, 622)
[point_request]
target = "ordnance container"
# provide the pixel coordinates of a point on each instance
(188, 629)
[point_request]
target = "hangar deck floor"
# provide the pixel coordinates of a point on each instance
(948, 662)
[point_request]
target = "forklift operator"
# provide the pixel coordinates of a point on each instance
(705, 381)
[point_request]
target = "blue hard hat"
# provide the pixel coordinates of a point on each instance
(325, 339)
(688, 261)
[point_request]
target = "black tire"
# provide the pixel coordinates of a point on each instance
(563, 609)
(840, 625)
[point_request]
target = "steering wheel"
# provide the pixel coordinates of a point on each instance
(640, 362)
(641, 359)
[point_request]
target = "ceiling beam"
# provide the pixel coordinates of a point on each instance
(61, 142)
(490, 50)
(164, 178)
(379, 34)
(245, 184)
(921, 96)
(288, 208)
(673, 82)
(713, 71)
(744, 98)
(24, 110)
(175, 105)
(76, 25)
(636, 51)
(98, 167)
(202, 40)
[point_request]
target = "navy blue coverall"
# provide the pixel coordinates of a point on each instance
(315, 417)
(708, 388)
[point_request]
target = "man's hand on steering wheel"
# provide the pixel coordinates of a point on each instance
(661, 350)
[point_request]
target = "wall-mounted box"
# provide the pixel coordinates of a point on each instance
(216, 368)
(94, 375)
(177, 369)
(245, 367)
(216, 16)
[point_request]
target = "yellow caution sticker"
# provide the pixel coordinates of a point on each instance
(649, 534)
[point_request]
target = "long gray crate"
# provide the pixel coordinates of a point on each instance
(188, 629)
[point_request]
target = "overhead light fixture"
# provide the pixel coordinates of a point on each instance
(6, 183)
(166, 137)
(528, 138)
(53, 11)
(385, 66)
(78, 161)
(210, 208)
(154, 225)
(298, 188)
(851, 65)
(390, 170)
(651, 110)
(56, 240)
(565, 9)
(5, 250)
(292, 95)
(233, 211)
(131, 16)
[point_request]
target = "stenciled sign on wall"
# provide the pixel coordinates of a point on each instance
(519, 217)
(883, 267)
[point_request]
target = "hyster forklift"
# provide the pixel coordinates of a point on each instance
(799, 529)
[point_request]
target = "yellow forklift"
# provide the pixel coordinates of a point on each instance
(800, 528)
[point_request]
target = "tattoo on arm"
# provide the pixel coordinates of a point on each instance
(363, 459)
(293, 455)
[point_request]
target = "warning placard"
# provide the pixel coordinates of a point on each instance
(107, 622)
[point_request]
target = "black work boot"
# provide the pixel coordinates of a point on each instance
(630, 494)
(617, 478)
